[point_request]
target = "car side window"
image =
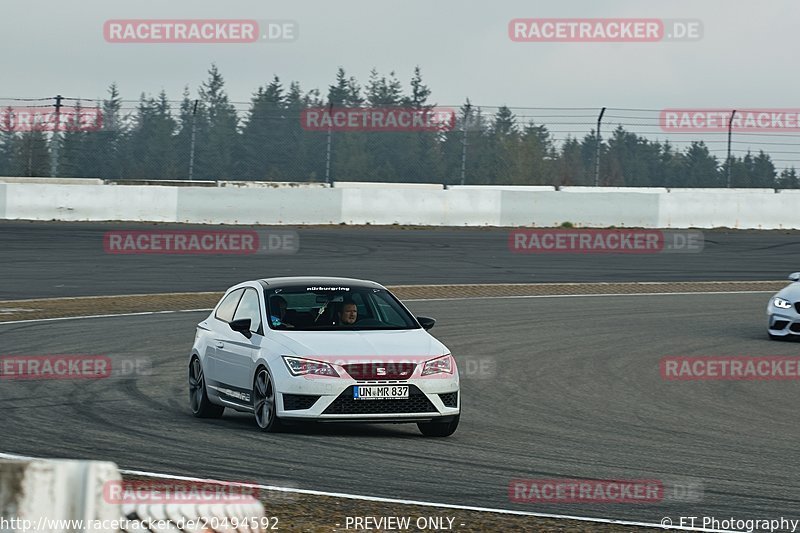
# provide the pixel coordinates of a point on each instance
(250, 308)
(228, 305)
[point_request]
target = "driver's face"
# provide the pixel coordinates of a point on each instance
(280, 305)
(348, 314)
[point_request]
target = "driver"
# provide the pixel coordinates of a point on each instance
(348, 314)
(278, 307)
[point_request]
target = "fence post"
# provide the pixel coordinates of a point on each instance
(191, 145)
(730, 127)
(54, 160)
(597, 150)
(468, 108)
(328, 149)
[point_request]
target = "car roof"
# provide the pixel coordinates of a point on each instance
(318, 280)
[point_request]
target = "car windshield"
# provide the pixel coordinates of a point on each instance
(334, 307)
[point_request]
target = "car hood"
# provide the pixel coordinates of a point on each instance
(791, 292)
(361, 346)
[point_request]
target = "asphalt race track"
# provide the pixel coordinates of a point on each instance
(39, 260)
(552, 387)
(572, 390)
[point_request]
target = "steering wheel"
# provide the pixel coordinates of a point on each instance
(369, 322)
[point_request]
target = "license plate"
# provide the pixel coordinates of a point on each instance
(380, 392)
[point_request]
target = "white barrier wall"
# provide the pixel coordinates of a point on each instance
(56, 491)
(422, 207)
(547, 209)
(210, 205)
(757, 209)
(64, 496)
(379, 185)
(419, 205)
(90, 202)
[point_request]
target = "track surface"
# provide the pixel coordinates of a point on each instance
(576, 394)
(57, 259)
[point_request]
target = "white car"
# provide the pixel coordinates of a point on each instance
(322, 349)
(783, 311)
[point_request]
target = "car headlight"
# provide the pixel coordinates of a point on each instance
(299, 366)
(781, 303)
(440, 365)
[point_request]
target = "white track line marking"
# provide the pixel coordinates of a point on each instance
(147, 313)
(397, 500)
(581, 295)
(142, 313)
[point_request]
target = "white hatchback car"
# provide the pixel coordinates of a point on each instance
(322, 349)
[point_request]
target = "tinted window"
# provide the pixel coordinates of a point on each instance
(318, 308)
(228, 305)
(390, 315)
(249, 308)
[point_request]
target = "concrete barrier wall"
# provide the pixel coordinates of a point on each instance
(546, 209)
(754, 210)
(63, 496)
(520, 188)
(90, 202)
(457, 206)
(379, 185)
(56, 491)
(259, 206)
(423, 207)
(641, 190)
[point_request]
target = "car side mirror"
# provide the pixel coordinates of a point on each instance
(426, 322)
(242, 326)
(794, 276)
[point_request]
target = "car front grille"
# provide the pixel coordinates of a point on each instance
(797, 306)
(417, 402)
(294, 402)
(380, 371)
(449, 399)
(795, 327)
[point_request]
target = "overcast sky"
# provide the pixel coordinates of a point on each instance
(747, 56)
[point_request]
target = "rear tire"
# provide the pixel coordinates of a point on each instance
(439, 429)
(199, 403)
(264, 402)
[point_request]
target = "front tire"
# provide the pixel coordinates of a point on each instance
(264, 403)
(439, 429)
(199, 403)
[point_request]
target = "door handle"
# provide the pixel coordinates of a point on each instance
(220, 344)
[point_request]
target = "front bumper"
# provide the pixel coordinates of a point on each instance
(783, 322)
(331, 399)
